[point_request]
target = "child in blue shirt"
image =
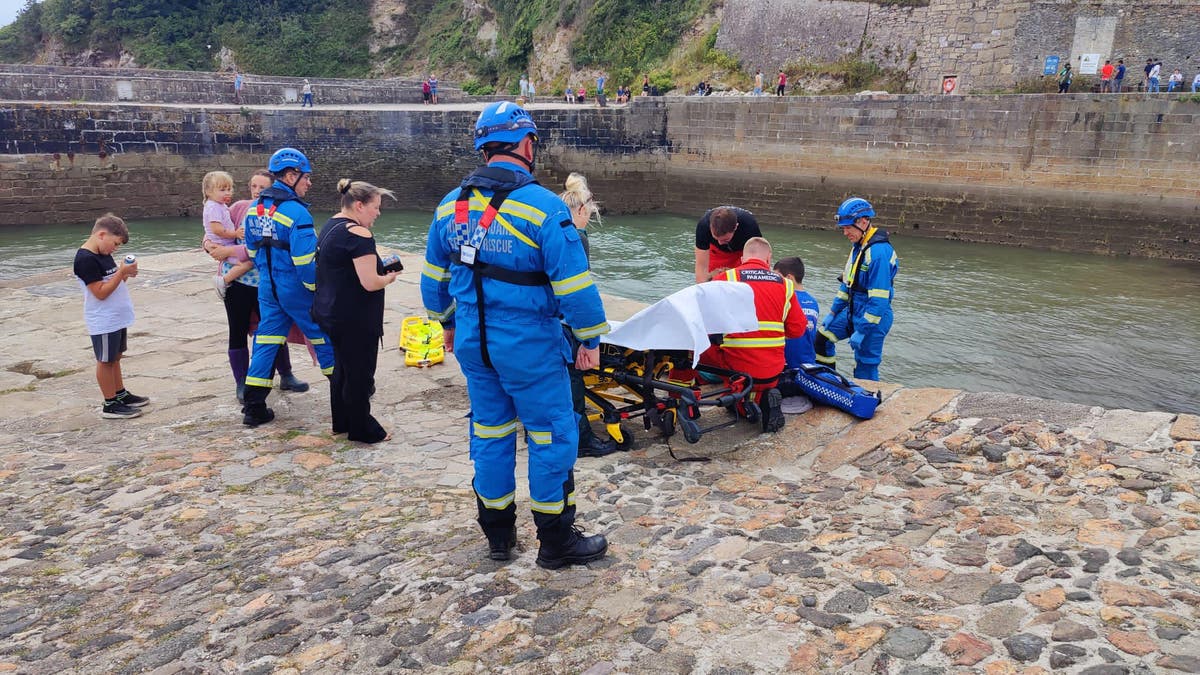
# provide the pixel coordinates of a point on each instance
(800, 350)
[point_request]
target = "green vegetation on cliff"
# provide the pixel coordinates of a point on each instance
(294, 37)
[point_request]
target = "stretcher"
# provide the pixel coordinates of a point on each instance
(636, 358)
(634, 384)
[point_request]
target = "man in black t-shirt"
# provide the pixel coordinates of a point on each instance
(721, 234)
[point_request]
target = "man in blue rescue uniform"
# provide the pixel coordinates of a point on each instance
(862, 309)
(503, 263)
(281, 242)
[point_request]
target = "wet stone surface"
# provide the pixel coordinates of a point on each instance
(183, 542)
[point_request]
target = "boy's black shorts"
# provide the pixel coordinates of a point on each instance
(109, 346)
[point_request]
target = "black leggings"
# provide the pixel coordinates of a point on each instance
(241, 302)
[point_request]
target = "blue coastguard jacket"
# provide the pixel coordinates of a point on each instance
(532, 232)
(287, 227)
(867, 281)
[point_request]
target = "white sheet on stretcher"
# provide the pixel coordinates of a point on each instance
(684, 320)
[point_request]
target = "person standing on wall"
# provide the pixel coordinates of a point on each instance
(1064, 79)
(348, 306)
(1119, 80)
(758, 83)
(721, 234)
(862, 309)
(237, 86)
(1153, 77)
(524, 86)
(307, 93)
(281, 241)
(502, 294)
(1106, 77)
(781, 86)
(433, 85)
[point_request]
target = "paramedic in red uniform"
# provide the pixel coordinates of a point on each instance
(720, 237)
(760, 353)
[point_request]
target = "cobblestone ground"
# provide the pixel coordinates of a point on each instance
(974, 533)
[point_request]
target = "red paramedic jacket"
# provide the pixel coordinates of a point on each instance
(760, 353)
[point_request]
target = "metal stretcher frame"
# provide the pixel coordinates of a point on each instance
(631, 383)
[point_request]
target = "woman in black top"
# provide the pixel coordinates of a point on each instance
(348, 306)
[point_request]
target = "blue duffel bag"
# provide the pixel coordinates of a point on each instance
(826, 386)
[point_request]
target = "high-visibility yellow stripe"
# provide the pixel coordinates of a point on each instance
(515, 232)
(438, 274)
(878, 293)
(572, 284)
(770, 325)
(546, 507)
(498, 504)
(269, 339)
(250, 251)
(843, 295)
(871, 318)
(282, 219)
(443, 316)
(532, 214)
(591, 331)
(539, 437)
(259, 382)
(303, 259)
(788, 298)
(512, 207)
(327, 371)
(499, 431)
(829, 336)
(571, 499)
(317, 341)
(744, 343)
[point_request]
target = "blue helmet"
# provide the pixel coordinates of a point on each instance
(289, 158)
(852, 209)
(503, 122)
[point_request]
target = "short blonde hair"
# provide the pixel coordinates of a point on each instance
(215, 180)
(757, 245)
(359, 191)
(576, 194)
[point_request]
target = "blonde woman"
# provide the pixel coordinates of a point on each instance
(584, 209)
(348, 306)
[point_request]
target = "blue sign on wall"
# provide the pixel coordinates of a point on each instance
(1051, 67)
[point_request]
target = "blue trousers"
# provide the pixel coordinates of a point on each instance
(275, 320)
(528, 381)
(867, 356)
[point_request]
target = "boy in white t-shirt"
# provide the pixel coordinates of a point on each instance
(108, 312)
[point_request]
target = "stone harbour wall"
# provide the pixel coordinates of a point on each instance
(146, 162)
(23, 82)
(988, 44)
(1113, 175)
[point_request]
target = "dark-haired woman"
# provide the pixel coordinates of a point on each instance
(349, 307)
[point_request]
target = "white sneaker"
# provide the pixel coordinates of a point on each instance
(219, 285)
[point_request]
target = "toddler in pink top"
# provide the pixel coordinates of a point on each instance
(218, 225)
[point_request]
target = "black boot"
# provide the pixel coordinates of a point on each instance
(500, 528)
(255, 410)
(594, 447)
(772, 410)
(571, 547)
(501, 543)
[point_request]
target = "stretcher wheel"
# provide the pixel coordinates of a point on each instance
(666, 423)
(691, 430)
